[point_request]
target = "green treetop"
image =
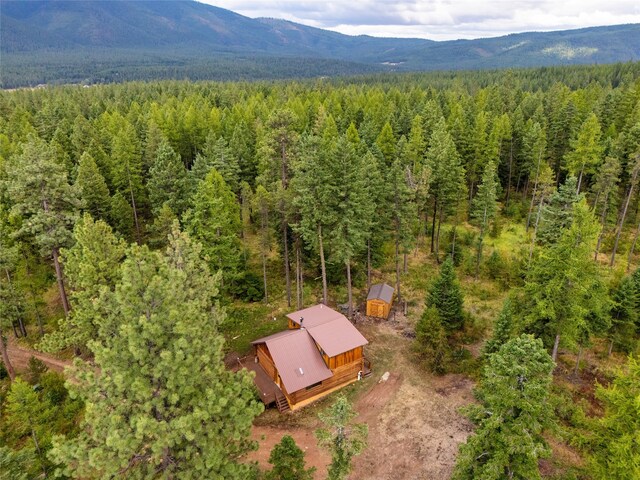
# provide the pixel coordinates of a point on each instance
(586, 149)
(160, 402)
(616, 443)
(214, 220)
(484, 206)
(446, 297)
(288, 462)
(342, 437)
(92, 266)
(564, 287)
(43, 198)
(167, 181)
(92, 188)
(514, 413)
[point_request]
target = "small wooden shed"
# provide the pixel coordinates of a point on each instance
(379, 300)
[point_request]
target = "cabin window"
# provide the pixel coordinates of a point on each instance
(317, 384)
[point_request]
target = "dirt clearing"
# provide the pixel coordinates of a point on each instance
(414, 424)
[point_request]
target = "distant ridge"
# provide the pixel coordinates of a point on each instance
(70, 41)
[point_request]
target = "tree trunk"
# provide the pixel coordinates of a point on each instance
(298, 275)
(577, 367)
(133, 206)
(349, 290)
(60, 278)
(264, 277)
(368, 264)
(535, 229)
(580, 180)
(433, 224)
(622, 218)
(438, 236)
(287, 274)
(323, 266)
(602, 222)
(554, 354)
(509, 178)
(535, 189)
(480, 243)
(398, 268)
(610, 348)
(633, 246)
(5, 358)
(405, 266)
(37, 445)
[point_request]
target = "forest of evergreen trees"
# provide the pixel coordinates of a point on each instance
(131, 215)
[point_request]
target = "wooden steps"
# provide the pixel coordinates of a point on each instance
(281, 402)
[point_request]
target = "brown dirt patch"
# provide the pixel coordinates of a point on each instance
(268, 436)
(20, 356)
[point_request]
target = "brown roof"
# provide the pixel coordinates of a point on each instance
(297, 359)
(330, 329)
(381, 291)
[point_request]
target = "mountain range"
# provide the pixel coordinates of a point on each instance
(73, 41)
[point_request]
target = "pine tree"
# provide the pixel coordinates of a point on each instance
(276, 154)
(214, 221)
(586, 150)
(502, 331)
(446, 297)
(625, 316)
(262, 205)
(9, 298)
(148, 415)
(386, 142)
(314, 190)
(400, 199)
(92, 266)
(28, 416)
(431, 341)
(607, 179)
(514, 413)
(16, 465)
(563, 287)
(351, 207)
(121, 215)
(46, 202)
(343, 438)
(616, 450)
(288, 462)
(161, 227)
(485, 207)
(447, 178)
(167, 181)
(92, 188)
(127, 167)
(558, 214)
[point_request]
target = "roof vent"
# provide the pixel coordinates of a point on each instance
(300, 370)
(301, 320)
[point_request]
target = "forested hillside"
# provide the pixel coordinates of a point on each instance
(61, 41)
(151, 231)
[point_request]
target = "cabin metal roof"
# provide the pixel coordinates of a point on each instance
(330, 329)
(297, 359)
(381, 291)
(296, 352)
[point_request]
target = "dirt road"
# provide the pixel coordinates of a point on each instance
(19, 357)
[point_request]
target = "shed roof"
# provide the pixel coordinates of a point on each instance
(381, 291)
(297, 359)
(330, 329)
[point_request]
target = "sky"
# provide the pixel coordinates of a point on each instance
(441, 19)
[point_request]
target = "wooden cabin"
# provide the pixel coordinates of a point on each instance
(379, 300)
(319, 353)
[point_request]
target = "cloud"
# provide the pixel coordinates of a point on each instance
(441, 19)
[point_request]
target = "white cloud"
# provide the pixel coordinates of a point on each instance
(441, 19)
